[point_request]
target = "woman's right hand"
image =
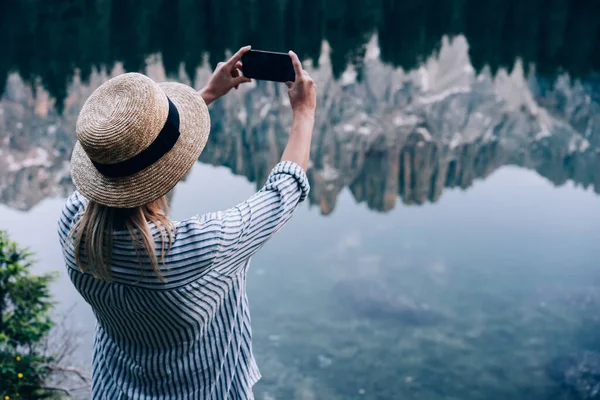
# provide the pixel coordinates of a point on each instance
(303, 91)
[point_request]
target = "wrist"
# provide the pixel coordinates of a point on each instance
(208, 95)
(304, 114)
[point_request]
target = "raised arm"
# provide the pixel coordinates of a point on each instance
(303, 99)
(248, 226)
(236, 234)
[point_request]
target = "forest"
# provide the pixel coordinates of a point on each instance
(49, 40)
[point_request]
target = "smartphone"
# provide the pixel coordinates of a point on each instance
(268, 66)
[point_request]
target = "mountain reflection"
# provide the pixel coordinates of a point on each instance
(392, 133)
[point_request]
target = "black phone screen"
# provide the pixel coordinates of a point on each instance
(268, 66)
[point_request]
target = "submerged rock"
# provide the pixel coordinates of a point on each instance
(578, 372)
(324, 361)
(373, 300)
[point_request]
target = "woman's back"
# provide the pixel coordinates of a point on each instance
(170, 298)
(188, 336)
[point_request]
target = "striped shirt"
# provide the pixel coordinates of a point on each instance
(188, 337)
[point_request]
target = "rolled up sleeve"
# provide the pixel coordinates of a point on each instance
(246, 227)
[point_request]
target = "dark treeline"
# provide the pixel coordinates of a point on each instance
(48, 39)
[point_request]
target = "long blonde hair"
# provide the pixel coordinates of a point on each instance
(93, 234)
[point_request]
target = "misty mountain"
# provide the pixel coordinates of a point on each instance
(381, 131)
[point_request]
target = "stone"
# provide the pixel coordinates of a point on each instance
(371, 299)
(579, 372)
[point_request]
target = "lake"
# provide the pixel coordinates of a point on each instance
(449, 246)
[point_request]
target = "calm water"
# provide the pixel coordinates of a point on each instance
(448, 249)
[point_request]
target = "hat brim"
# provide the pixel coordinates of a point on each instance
(159, 178)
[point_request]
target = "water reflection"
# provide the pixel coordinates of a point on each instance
(491, 294)
(49, 38)
(393, 133)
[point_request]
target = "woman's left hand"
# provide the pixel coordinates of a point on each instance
(227, 76)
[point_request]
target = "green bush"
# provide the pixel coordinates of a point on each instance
(25, 302)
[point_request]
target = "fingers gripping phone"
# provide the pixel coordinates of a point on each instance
(268, 66)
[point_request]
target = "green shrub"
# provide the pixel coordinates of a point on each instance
(25, 302)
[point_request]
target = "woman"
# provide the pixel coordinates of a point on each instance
(170, 297)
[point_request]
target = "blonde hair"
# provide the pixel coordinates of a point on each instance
(93, 234)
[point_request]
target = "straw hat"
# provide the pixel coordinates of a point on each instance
(136, 139)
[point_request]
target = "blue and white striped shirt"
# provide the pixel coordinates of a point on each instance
(188, 337)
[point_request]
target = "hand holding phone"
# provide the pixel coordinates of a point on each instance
(283, 67)
(303, 91)
(268, 66)
(226, 76)
(303, 99)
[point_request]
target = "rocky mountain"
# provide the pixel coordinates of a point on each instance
(382, 132)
